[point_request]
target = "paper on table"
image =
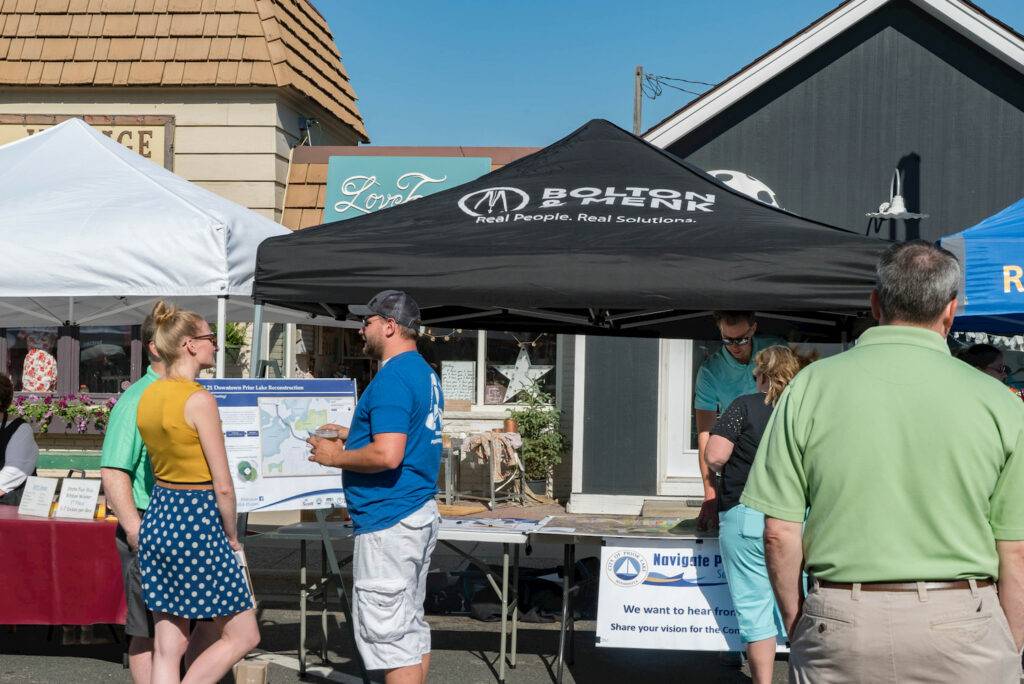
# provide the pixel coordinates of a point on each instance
(78, 498)
(507, 525)
(37, 497)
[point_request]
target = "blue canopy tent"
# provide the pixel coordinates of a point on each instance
(992, 255)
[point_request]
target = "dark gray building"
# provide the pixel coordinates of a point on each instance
(934, 88)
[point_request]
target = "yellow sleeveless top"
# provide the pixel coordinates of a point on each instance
(174, 449)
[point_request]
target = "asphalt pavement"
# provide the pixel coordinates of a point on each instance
(464, 651)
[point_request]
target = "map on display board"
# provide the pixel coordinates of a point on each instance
(266, 423)
(286, 423)
(668, 594)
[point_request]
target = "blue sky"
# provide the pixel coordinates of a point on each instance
(459, 72)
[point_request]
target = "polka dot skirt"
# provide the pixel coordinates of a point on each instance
(187, 567)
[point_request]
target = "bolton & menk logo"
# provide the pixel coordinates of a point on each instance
(626, 568)
(490, 200)
(504, 200)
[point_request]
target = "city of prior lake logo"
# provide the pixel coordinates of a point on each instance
(491, 200)
(626, 568)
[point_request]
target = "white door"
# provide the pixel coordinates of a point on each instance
(678, 472)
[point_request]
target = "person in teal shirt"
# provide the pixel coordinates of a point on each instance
(724, 376)
(127, 483)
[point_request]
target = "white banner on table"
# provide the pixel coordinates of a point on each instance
(667, 594)
(37, 497)
(78, 498)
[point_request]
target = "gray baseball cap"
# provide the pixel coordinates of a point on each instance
(393, 304)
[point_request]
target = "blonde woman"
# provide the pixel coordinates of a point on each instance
(188, 534)
(730, 452)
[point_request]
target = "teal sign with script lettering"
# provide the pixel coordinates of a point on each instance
(357, 186)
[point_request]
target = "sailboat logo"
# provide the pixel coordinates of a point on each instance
(627, 568)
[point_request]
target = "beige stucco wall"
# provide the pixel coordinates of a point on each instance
(235, 142)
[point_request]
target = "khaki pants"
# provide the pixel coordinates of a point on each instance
(949, 635)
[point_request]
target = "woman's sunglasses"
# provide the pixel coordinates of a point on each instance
(212, 337)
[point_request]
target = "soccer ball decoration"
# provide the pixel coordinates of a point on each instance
(748, 185)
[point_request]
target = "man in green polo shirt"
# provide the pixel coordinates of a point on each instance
(127, 483)
(724, 376)
(909, 467)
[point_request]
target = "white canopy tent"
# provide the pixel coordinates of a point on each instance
(94, 234)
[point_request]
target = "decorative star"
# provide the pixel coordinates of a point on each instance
(522, 375)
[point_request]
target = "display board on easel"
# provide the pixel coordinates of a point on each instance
(266, 422)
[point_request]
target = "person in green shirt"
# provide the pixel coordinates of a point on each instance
(721, 378)
(127, 483)
(909, 466)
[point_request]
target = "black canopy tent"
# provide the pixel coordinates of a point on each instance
(597, 234)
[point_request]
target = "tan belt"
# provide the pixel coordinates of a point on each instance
(906, 586)
(184, 485)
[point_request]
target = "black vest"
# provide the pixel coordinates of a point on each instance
(7, 430)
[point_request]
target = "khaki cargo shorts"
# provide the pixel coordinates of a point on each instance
(390, 571)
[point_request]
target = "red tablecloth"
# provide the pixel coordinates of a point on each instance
(58, 572)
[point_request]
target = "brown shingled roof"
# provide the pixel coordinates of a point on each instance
(307, 175)
(283, 43)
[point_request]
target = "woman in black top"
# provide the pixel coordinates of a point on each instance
(730, 451)
(18, 450)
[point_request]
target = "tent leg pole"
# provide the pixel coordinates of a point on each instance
(289, 349)
(222, 324)
(257, 340)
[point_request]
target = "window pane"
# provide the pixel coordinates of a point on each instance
(32, 359)
(516, 359)
(452, 355)
(338, 353)
(105, 355)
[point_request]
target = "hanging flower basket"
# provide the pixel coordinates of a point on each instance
(72, 413)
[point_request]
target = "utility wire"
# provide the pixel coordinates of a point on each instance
(653, 86)
(685, 80)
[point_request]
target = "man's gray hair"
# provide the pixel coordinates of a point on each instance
(915, 281)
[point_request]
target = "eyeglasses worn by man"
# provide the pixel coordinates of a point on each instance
(390, 458)
(908, 465)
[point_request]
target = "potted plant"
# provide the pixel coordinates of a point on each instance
(543, 443)
(234, 340)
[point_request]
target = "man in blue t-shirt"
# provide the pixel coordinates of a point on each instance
(724, 376)
(390, 457)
